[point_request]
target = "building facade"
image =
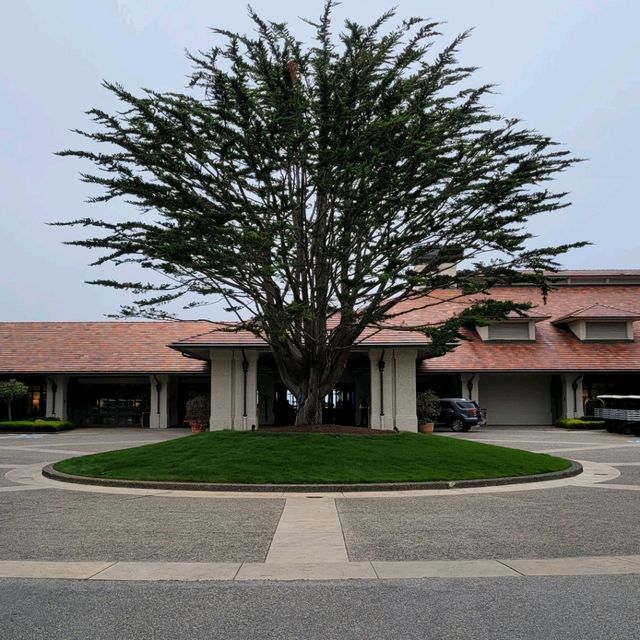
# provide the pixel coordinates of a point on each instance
(530, 369)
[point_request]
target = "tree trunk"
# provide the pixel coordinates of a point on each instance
(310, 396)
(309, 410)
(9, 405)
(320, 380)
(311, 375)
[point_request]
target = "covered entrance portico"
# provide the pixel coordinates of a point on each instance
(377, 389)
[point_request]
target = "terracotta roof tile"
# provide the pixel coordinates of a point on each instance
(598, 312)
(142, 347)
(96, 347)
(555, 349)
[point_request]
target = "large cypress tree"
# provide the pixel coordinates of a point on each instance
(301, 183)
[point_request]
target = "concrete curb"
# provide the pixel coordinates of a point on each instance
(516, 568)
(49, 472)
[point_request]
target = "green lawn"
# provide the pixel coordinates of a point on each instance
(271, 458)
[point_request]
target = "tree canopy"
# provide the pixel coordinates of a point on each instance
(11, 390)
(302, 183)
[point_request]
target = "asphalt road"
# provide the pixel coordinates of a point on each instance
(39, 523)
(63, 524)
(585, 608)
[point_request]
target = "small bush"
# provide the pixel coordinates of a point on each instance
(579, 423)
(34, 426)
(198, 408)
(428, 406)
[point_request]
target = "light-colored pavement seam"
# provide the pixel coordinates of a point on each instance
(505, 563)
(97, 573)
(613, 485)
(344, 538)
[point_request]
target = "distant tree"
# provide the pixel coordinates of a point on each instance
(302, 183)
(13, 390)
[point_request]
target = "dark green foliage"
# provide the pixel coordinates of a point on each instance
(428, 406)
(300, 182)
(198, 408)
(232, 456)
(35, 426)
(11, 390)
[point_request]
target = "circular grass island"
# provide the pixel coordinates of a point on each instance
(269, 458)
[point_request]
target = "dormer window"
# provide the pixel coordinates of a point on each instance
(600, 323)
(607, 331)
(519, 326)
(510, 331)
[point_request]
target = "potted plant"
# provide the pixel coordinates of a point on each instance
(428, 408)
(197, 413)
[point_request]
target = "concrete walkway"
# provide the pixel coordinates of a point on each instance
(308, 528)
(373, 570)
(303, 536)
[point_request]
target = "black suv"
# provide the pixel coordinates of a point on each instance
(458, 414)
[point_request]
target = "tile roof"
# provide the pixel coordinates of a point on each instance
(96, 347)
(225, 335)
(143, 347)
(555, 349)
(598, 312)
(220, 334)
(595, 272)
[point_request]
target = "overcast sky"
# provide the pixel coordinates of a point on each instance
(569, 68)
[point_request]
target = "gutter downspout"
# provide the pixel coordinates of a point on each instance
(158, 390)
(381, 370)
(54, 389)
(574, 386)
(245, 369)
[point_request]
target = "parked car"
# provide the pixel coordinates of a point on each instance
(459, 414)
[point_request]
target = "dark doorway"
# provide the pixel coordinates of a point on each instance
(109, 405)
(339, 406)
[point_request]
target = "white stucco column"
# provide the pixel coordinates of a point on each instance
(228, 389)
(404, 394)
(473, 380)
(382, 390)
(57, 394)
(222, 389)
(572, 406)
(245, 389)
(159, 406)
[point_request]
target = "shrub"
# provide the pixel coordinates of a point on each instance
(428, 406)
(579, 423)
(39, 425)
(198, 408)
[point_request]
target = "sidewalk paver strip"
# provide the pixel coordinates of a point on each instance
(308, 530)
(442, 569)
(184, 571)
(47, 569)
(587, 566)
(363, 570)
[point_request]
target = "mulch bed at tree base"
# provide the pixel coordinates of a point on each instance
(328, 428)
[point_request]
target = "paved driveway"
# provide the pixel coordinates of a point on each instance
(42, 520)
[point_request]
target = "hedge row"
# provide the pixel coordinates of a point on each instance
(579, 423)
(35, 426)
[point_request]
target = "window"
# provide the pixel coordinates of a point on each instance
(509, 331)
(606, 331)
